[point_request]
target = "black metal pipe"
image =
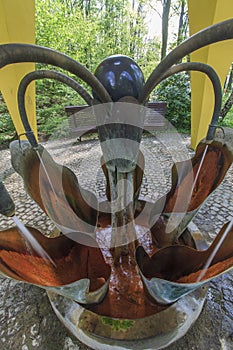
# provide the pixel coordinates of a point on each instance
(16, 53)
(44, 74)
(212, 75)
(218, 32)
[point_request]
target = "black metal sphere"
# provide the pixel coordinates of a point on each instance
(121, 76)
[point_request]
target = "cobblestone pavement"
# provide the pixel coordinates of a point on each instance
(27, 321)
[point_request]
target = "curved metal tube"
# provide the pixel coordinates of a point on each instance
(16, 53)
(44, 74)
(218, 32)
(212, 75)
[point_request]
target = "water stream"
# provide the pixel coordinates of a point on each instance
(199, 168)
(46, 173)
(214, 252)
(31, 242)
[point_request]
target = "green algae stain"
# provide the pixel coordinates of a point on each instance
(117, 325)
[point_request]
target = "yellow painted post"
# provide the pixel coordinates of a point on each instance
(17, 25)
(203, 13)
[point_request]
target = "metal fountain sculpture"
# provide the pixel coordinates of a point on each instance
(124, 272)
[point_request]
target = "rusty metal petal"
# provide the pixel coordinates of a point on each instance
(79, 271)
(55, 188)
(187, 192)
(175, 271)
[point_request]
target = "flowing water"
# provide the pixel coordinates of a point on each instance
(214, 252)
(32, 243)
(46, 173)
(199, 169)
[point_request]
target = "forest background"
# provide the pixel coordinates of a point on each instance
(89, 31)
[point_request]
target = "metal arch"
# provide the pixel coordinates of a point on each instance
(45, 74)
(215, 33)
(16, 53)
(214, 78)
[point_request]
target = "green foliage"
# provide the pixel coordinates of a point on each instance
(52, 97)
(91, 31)
(228, 120)
(7, 130)
(175, 91)
(87, 31)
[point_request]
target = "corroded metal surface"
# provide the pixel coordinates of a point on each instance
(174, 271)
(31, 332)
(79, 272)
(189, 190)
(151, 333)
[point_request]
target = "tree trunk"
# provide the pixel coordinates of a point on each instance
(165, 20)
(227, 106)
(229, 80)
(181, 28)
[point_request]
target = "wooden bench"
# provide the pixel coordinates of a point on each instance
(81, 121)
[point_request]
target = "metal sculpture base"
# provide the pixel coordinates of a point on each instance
(149, 333)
